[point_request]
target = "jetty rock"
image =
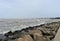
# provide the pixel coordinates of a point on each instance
(43, 32)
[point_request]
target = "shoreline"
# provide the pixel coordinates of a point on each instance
(45, 30)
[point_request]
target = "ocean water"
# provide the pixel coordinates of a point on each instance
(18, 24)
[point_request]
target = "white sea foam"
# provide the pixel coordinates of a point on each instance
(17, 28)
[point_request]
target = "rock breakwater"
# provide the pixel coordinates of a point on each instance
(44, 32)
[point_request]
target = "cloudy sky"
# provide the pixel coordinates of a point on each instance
(29, 8)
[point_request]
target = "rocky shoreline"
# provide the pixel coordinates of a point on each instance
(43, 32)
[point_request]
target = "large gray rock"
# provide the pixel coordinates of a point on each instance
(2, 37)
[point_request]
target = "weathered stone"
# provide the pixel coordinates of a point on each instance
(37, 35)
(24, 38)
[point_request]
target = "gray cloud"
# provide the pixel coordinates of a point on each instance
(29, 8)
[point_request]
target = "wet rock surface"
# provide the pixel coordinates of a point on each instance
(44, 32)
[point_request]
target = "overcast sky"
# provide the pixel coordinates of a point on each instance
(29, 8)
